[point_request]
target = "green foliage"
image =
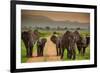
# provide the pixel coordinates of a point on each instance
(45, 33)
(85, 33)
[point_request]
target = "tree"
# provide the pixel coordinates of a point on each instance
(47, 27)
(78, 28)
(65, 28)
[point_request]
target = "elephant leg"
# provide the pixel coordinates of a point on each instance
(79, 49)
(31, 51)
(74, 54)
(69, 54)
(38, 51)
(41, 51)
(27, 52)
(62, 53)
(57, 51)
(84, 48)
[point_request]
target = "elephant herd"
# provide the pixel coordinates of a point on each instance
(69, 41)
(30, 38)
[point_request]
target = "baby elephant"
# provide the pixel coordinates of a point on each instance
(40, 46)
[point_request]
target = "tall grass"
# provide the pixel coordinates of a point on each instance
(23, 53)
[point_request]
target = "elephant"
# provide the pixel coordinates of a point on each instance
(68, 42)
(82, 42)
(87, 40)
(82, 45)
(78, 40)
(57, 41)
(29, 38)
(40, 46)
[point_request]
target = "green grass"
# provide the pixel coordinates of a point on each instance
(45, 34)
(85, 33)
(23, 53)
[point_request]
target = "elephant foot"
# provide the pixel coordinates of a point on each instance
(61, 57)
(28, 56)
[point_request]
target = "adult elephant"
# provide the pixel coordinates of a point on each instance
(68, 42)
(78, 40)
(57, 41)
(29, 38)
(82, 42)
(40, 46)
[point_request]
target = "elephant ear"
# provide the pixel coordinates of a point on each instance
(25, 36)
(76, 35)
(38, 42)
(53, 39)
(88, 40)
(35, 35)
(84, 39)
(43, 40)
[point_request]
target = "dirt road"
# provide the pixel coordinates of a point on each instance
(49, 53)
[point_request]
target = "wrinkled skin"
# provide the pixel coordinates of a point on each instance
(84, 44)
(40, 46)
(68, 42)
(57, 40)
(87, 40)
(53, 39)
(81, 42)
(78, 40)
(29, 38)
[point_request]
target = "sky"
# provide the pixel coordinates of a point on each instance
(61, 16)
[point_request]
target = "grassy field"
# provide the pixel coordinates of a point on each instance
(49, 33)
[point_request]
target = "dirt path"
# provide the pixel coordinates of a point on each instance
(49, 53)
(50, 48)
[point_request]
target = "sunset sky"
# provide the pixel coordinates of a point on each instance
(61, 16)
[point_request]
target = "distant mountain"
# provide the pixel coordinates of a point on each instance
(42, 21)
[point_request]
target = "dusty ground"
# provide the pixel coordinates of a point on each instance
(49, 53)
